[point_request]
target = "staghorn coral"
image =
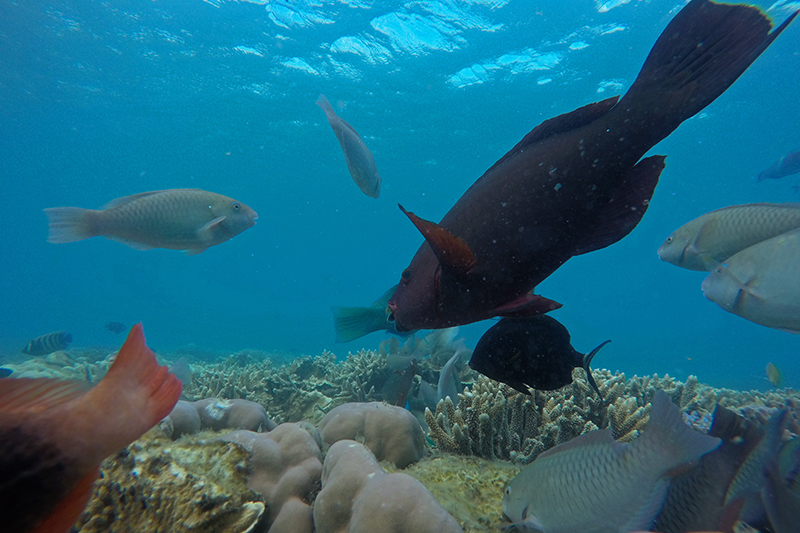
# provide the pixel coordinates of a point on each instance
(494, 421)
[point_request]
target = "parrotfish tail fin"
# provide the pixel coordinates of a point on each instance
(750, 476)
(669, 438)
(69, 510)
(134, 395)
(69, 224)
(587, 360)
(352, 323)
(627, 206)
(702, 51)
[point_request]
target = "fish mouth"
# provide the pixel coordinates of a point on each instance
(391, 308)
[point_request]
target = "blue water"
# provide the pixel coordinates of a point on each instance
(104, 99)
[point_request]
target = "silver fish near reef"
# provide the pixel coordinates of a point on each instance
(179, 219)
(710, 239)
(785, 166)
(49, 343)
(359, 159)
(594, 484)
(761, 283)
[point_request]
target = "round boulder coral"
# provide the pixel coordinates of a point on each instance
(392, 433)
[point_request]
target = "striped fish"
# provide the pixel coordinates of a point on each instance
(52, 342)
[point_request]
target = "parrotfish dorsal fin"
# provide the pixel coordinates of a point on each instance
(451, 251)
(587, 360)
(562, 123)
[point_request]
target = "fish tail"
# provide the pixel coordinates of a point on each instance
(702, 51)
(326, 106)
(69, 224)
(352, 323)
(669, 438)
(587, 360)
(133, 396)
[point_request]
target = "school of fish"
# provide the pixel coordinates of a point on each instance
(577, 183)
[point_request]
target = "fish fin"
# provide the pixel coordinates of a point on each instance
(116, 202)
(644, 516)
(32, 395)
(671, 439)
(730, 516)
(587, 360)
(69, 510)
(780, 502)
(626, 208)
(195, 251)
(603, 437)
(700, 53)
(206, 232)
(451, 251)
(560, 124)
(352, 323)
(325, 105)
(68, 224)
(134, 395)
(526, 305)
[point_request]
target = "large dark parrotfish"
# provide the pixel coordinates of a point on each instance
(576, 183)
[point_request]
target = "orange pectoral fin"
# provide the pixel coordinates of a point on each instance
(451, 251)
(70, 508)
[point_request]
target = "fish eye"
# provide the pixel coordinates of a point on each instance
(669, 239)
(236, 205)
(508, 491)
(406, 275)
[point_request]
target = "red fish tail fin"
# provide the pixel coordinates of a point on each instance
(702, 51)
(70, 224)
(134, 395)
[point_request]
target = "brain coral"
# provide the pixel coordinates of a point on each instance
(391, 433)
(285, 468)
(215, 414)
(358, 496)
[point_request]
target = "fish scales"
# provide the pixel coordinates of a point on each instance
(574, 184)
(594, 484)
(712, 238)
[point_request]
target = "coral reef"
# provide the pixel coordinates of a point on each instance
(285, 467)
(150, 487)
(391, 433)
(493, 420)
(358, 496)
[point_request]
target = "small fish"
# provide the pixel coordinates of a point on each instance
(774, 375)
(182, 370)
(786, 166)
(49, 343)
(595, 484)
(55, 433)
(115, 327)
(449, 377)
(359, 159)
(396, 389)
(352, 323)
(760, 283)
(179, 219)
(531, 352)
(711, 239)
(576, 183)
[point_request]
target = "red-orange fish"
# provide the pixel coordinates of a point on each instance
(55, 433)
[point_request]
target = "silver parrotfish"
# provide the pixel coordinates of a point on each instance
(594, 484)
(710, 239)
(359, 159)
(179, 219)
(761, 283)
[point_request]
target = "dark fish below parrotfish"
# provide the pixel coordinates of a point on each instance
(359, 159)
(179, 219)
(785, 166)
(712, 238)
(593, 484)
(352, 323)
(115, 327)
(531, 353)
(5, 372)
(49, 343)
(577, 182)
(54, 434)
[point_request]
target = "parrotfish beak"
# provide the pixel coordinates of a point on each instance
(391, 308)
